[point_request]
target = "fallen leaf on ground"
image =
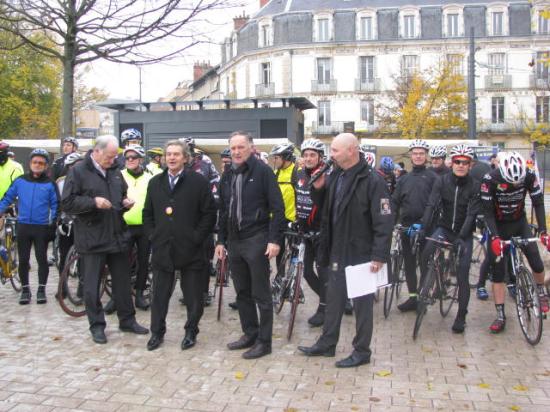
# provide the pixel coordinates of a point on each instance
(383, 373)
(483, 385)
(330, 383)
(374, 399)
(57, 338)
(461, 365)
(430, 386)
(427, 349)
(355, 408)
(239, 376)
(521, 388)
(514, 408)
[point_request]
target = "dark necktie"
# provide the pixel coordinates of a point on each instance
(172, 180)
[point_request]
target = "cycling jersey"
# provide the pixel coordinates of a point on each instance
(307, 212)
(412, 193)
(505, 202)
(286, 178)
(137, 190)
(203, 165)
(9, 171)
(154, 168)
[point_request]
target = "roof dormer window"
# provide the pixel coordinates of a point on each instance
(366, 25)
(409, 20)
(322, 27)
(497, 19)
(265, 33)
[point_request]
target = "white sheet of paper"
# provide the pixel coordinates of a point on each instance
(360, 280)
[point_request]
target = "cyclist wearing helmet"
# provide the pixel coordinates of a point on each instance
(309, 219)
(226, 160)
(285, 170)
(9, 169)
(453, 205)
(409, 202)
(155, 160)
(386, 171)
(437, 158)
(130, 137)
(38, 206)
(70, 145)
(503, 193)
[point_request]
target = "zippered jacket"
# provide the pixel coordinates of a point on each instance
(411, 195)
(38, 201)
(454, 203)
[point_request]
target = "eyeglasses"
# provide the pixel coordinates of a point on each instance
(38, 163)
(132, 157)
(461, 162)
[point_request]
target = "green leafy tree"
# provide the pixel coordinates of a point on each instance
(30, 95)
(422, 104)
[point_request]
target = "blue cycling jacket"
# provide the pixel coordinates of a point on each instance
(38, 201)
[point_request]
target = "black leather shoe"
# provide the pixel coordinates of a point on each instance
(317, 350)
(243, 343)
(409, 305)
(459, 324)
(134, 328)
(155, 342)
(258, 350)
(352, 361)
(317, 319)
(98, 336)
(141, 302)
(233, 305)
(109, 307)
(189, 340)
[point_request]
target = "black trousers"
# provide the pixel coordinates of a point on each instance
(410, 263)
(317, 282)
(464, 263)
(163, 286)
(207, 253)
(142, 243)
(65, 243)
(336, 302)
(250, 273)
(92, 265)
(37, 235)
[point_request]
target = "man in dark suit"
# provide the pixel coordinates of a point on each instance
(178, 216)
(251, 225)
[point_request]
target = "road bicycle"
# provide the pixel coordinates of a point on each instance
(528, 305)
(8, 255)
(397, 267)
(479, 253)
(440, 281)
(287, 284)
(222, 281)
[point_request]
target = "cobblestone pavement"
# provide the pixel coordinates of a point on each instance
(48, 362)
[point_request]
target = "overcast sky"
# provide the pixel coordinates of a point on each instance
(122, 81)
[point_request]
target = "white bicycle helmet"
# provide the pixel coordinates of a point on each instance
(438, 151)
(462, 150)
(130, 134)
(370, 157)
(313, 144)
(72, 158)
(512, 166)
(140, 151)
(419, 144)
(72, 140)
(189, 140)
(285, 150)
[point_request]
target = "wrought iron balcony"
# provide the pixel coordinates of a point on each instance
(498, 82)
(367, 85)
(323, 87)
(265, 89)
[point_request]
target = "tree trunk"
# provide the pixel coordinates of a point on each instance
(69, 54)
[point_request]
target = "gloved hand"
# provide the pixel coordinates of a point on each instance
(414, 228)
(496, 246)
(545, 240)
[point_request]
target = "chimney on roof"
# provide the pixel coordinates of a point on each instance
(263, 3)
(199, 69)
(239, 21)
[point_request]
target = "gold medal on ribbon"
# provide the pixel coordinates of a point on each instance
(169, 210)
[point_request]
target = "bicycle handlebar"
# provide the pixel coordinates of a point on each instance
(520, 241)
(304, 235)
(440, 241)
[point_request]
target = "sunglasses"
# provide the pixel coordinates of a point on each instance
(38, 163)
(461, 162)
(132, 157)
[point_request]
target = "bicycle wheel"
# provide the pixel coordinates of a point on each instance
(69, 290)
(425, 298)
(398, 273)
(448, 286)
(528, 306)
(221, 269)
(296, 294)
(13, 260)
(479, 254)
(388, 298)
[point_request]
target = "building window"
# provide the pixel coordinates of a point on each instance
(367, 69)
(323, 70)
(497, 110)
(323, 112)
(498, 23)
(367, 111)
(455, 64)
(266, 73)
(323, 30)
(543, 24)
(408, 27)
(366, 28)
(543, 109)
(410, 65)
(265, 35)
(497, 64)
(452, 25)
(542, 65)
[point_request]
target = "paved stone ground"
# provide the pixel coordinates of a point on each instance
(48, 362)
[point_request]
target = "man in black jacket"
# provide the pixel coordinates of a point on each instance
(356, 227)
(456, 197)
(70, 145)
(251, 225)
(409, 202)
(179, 214)
(95, 192)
